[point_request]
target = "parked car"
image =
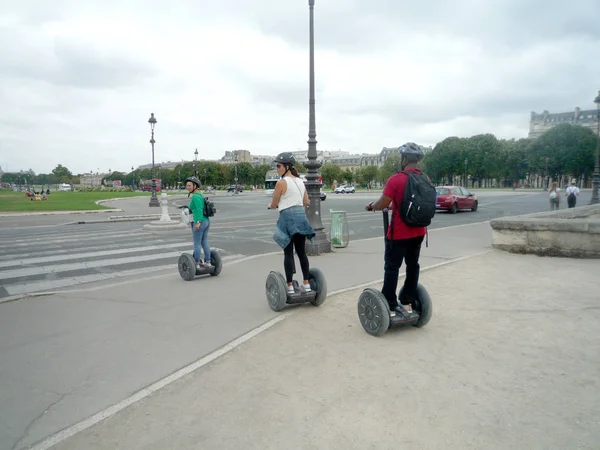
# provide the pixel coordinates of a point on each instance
(453, 198)
(232, 188)
(345, 189)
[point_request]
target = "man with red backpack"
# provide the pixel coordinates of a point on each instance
(411, 197)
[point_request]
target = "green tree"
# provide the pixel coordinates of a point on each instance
(62, 174)
(568, 148)
(347, 176)
(391, 165)
(330, 173)
(370, 174)
(259, 173)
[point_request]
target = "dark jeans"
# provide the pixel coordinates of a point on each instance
(571, 201)
(396, 251)
(298, 241)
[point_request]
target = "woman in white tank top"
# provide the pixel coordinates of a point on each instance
(290, 197)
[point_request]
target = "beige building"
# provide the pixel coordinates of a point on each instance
(242, 156)
(91, 179)
(540, 123)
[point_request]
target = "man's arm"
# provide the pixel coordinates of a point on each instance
(383, 202)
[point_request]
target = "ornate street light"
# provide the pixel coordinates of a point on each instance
(596, 178)
(313, 185)
(153, 198)
(196, 163)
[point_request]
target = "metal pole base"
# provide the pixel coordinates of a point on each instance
(154, 201)
(595, 186)
(320, 244)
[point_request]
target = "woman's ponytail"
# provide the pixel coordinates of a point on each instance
(294, 171)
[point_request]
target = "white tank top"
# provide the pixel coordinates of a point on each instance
(294, 194)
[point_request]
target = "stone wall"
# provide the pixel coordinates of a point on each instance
(571, 233)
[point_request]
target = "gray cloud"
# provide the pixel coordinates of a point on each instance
(67, 63)
(494, 61)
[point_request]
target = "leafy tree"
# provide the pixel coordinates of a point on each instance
(347, 176)
(390, 167)
(330, 173)
(569, 150)
(62, 174)
(370, 174)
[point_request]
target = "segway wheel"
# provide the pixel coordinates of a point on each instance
(318, 284)
(421, 305)
(276, 291)
(187, 267)
(373, 312)
(215, 258)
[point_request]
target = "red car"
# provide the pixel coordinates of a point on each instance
(453, 198)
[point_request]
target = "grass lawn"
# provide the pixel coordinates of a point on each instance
(11, 201)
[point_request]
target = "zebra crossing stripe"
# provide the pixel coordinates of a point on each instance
(47, 285)
(73, 256)
(57, 268)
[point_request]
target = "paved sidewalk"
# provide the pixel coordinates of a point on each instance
(67, 356)
(510, 360)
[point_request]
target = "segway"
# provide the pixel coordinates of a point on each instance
(187, 266)
(374, 312)
(278, 297)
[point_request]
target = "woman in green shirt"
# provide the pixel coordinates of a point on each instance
(200, 224)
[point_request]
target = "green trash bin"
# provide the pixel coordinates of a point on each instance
(339, 234)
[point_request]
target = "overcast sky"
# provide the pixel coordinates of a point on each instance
(78, 80)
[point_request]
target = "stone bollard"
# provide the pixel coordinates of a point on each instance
(165, 223)
(164, 203)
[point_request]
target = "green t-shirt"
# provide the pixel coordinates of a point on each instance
(197, 207)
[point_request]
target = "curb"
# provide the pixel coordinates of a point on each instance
(132, 218)
(57, 213)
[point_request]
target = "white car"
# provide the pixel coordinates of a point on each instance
(345, 189)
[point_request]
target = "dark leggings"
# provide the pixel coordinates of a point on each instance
(298, 241)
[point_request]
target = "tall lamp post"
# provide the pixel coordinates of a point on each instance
(547, 183)
(466, 181)
(236, 176)
(596, 178)
(153, 198)
(320, 243)
(205, 177)
(132, 178)
(196, 163)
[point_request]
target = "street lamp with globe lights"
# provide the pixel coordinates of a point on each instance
(196, 163)
(153, 198)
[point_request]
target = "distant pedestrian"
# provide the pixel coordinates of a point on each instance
(554, 197)
(572, 192)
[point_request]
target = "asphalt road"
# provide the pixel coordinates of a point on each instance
(66, 357)
(45, 256)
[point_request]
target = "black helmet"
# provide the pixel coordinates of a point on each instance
(194, 180)
(285, 158)
(410, 148)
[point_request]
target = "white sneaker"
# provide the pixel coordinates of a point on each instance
(290, 289)
(307, 288)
